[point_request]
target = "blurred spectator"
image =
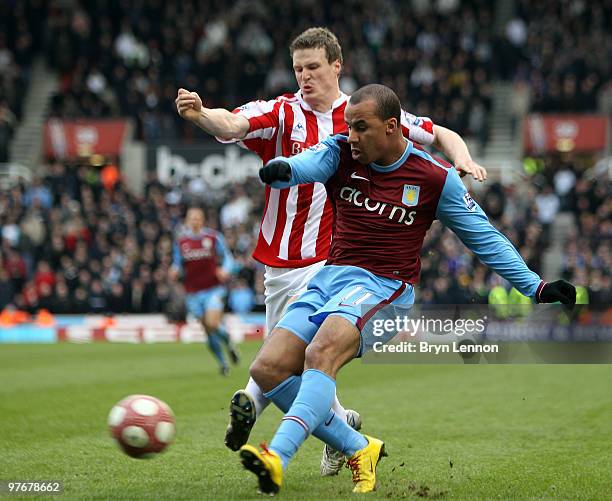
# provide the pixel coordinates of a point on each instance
(8, 122)
(547, 205)
(241, 298)
(7, 289)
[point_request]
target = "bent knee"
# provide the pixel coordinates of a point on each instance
(318, 356)
(268, 373)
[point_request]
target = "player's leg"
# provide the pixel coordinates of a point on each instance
(283, 390)
(335, 343)
(248, 404)
(213, 321)
(211, 303)
(196, 306)
(280, 287)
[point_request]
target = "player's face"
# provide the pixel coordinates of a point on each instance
(368, 134)
(195, 220)
(316, 77)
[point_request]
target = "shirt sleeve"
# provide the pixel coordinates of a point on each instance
(458, 211)
(177, 257)
(264, 120)
(417, 129)
(227, 260)
(316, 164)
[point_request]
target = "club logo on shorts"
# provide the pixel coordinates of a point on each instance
(410, 198)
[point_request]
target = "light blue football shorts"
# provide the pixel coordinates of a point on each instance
(352, 293)
(200, 302)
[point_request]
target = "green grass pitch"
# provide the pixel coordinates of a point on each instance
(452, 432)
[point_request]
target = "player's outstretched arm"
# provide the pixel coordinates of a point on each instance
(215, 121)
(453, 146)
(316, 164)
(458, 211)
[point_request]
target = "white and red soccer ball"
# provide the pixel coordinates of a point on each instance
(142, 425)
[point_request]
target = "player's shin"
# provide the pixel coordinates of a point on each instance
(334, 430)
(309, 409)
(214, 344)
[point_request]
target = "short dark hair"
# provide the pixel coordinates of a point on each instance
(387, 103)
(318, 38)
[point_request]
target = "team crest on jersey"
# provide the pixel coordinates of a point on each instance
(411, 195)
(206, 243)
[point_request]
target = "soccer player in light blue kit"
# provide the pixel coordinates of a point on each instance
(386, 192)
(206, 262)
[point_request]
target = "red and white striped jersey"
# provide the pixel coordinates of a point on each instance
(297, 223)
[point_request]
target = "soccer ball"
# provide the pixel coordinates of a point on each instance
(142, 425)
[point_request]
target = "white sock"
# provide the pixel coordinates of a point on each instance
(338, 409)
(254, 391)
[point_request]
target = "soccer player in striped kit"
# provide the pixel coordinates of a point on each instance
(205, 261)
(295, 233)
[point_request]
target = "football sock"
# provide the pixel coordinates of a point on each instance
(334, 431)
(260, 400)
(310, 404)
(338, 409)
(223, 336)
(214, 343)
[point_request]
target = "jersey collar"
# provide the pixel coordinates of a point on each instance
(341, 100)
(398, 163)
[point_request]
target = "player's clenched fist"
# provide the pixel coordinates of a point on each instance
(275, 170)
(188, 105)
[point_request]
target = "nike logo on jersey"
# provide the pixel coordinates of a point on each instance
(355, 176)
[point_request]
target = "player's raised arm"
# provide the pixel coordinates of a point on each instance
(215, 121)
(423, 131)
(316, 164)
(458, 211)
(453, 146)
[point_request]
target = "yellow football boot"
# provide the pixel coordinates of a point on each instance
(363, 465)
(266, 464)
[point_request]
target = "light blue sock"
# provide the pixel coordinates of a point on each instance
(223, 336)
(214, 344)
(334, 431)
(309, 409)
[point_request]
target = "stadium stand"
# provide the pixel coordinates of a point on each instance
(132, 58)
(563, 51)
(77, 239)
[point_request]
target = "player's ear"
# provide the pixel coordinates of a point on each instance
(337, 67)
(391, 126)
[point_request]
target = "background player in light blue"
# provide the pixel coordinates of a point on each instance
(201, 254)
(386, 193)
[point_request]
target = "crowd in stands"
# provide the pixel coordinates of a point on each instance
(20, 38)
(69, 244)
(130, 58)
(562, 51)
(587, 249)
